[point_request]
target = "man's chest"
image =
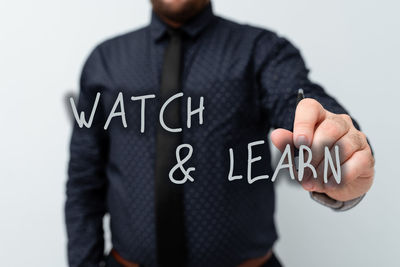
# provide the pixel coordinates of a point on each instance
(222, 77)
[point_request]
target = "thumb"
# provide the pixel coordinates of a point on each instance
(280, 138)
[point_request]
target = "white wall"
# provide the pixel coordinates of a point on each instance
(352, 48)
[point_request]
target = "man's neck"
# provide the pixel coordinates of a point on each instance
(169, 22)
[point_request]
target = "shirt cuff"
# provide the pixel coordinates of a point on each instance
(336, 205)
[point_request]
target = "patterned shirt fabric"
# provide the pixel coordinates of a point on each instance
(249, 79)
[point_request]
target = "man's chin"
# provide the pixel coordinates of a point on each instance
(178, 14)
(178, 17)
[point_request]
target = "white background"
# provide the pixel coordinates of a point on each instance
(352, 48)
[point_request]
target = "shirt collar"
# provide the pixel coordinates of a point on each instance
(192, 28)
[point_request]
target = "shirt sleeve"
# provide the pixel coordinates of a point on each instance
(86, 186)
(280, 72)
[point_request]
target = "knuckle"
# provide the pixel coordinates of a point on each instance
(357, 140)
(340, 122)
(301, 125)
(333, 128)
(346, 118)
(363, 139)
(371, 160)
(368, 162)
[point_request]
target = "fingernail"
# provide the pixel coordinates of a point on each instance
(301, 140)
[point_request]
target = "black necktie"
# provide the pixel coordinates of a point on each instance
(171, 248)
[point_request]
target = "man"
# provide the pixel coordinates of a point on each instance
(249, 78)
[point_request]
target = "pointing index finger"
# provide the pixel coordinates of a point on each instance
(309, 113)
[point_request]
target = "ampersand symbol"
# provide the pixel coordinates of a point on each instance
(180, 163)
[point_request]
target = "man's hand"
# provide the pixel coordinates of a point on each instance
(317, 128)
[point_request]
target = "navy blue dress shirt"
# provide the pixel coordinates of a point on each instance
(249, 79)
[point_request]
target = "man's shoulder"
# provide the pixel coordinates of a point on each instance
(263, 39)
(123, 41)
(245, 28)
